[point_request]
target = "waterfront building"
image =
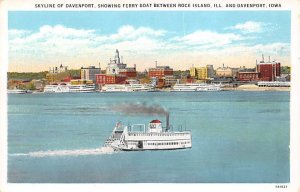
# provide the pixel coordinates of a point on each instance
(57, 74)
(103, 79)
(193, 72)
(89, 73)
(200, 72)
(248, 76)
(18, 83)
(59, 69)
(115, 64)
(117, 67)
(160, 71)
(161, 74)
(154, 81)
(235, 71)
(169, 80)
(269, 71)
(38, 84)
(210, 71)
(224, 72)
(80, 81)
(264, 71)
(116, 72)
(129, 72)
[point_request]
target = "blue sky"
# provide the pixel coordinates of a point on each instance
(176, 38)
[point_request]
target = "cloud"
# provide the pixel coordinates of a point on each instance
(249, 27)
(17, 33)
(58, 43)
(51, 45)
(128, 32)
(208, 39)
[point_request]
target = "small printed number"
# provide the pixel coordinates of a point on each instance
(281, 186)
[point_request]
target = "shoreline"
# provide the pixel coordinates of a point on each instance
(257, 89)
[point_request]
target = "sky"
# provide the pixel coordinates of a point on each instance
(39, 40)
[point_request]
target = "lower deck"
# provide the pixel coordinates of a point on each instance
(157, 145)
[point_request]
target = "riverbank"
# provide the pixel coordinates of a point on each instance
(253, 87)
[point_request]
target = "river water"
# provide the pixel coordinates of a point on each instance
(237, 137)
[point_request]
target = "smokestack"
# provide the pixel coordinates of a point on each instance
(167, 121)
(269, 59)
(263, 59)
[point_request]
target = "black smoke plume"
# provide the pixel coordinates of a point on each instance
(140, 108)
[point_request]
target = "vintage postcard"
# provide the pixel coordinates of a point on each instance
(130, 95)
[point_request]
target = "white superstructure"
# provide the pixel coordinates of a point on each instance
(69, 88)
(82, 88)
(127, 87)
(56, 88)
(197, 87)
(140, 87)
(273, 84)
(17, 91)
(114, 88)
(209, 87)
(154, 137)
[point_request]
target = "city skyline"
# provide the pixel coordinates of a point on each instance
(180, 39)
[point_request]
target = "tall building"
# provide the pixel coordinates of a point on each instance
(116, 67)
(265, 71)
(210, 71)
(193, 72)
(269, 71)
(202, 73)
(89, 73)
(116, 72)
